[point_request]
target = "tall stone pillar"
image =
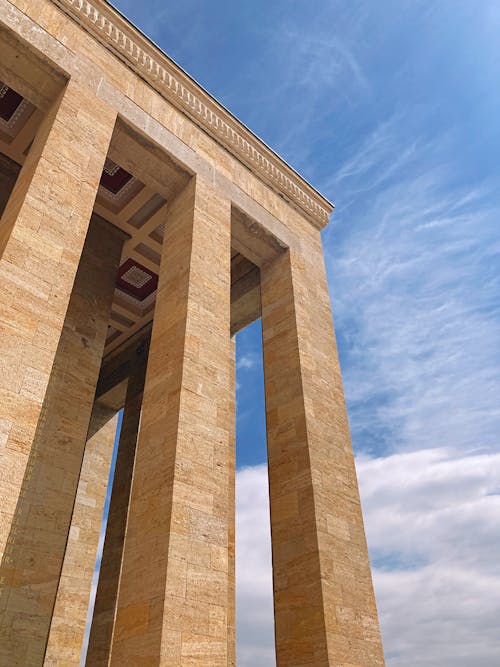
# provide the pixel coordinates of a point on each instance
(231, 605)
(32, 563)
(173, 596)
(109, 574)
(42, 232)
(325, 613)
(69, 617)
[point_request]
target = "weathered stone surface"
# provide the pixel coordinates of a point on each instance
(32, 562)
(9, 171)
(323, 597)
(107, 589)
(67, 628)
(173, 597)
(231, 603)
(176, 590)
(44, 225)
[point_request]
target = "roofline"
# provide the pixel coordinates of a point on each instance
(110, 27)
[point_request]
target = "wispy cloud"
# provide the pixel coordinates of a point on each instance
(392, 115)
(246, 361)
(319, 74)
(413, 266)
(377, 158)
(417, 302)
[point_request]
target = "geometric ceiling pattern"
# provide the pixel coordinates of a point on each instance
(14, 111)
(124, 201)
(136, 280)
(18, 123)
(10, 102)
(117, 186)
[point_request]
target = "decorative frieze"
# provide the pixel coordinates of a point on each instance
(149, 62)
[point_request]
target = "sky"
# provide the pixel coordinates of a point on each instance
(391, 110)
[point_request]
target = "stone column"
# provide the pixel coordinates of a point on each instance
(69, 618)
(231, 605)
(42, 232)
(173, 596)
(109, 574)
(325, 613)
(31, 566)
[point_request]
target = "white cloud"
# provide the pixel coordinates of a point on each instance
(413, 256)
(246, 361)
(254, 618)
(417, 303)
(415, 292)
(439, 616)
(431, 518)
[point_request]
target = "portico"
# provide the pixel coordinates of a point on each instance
(141, 227)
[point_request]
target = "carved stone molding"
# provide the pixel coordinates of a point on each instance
(151, 64)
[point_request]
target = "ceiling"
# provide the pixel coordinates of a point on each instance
(136, 183)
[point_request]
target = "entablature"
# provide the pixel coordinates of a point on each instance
(117, 34)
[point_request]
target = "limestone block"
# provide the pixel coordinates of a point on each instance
(70, 610)
(38, 532)
(325, 612)
(107, 588)
(173, 597)
(44, 224)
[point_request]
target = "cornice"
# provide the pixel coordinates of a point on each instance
(150, 63)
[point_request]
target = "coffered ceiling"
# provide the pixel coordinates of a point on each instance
(136, 184)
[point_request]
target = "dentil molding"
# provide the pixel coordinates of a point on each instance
(151, 64)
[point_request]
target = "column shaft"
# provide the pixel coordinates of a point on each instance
(69, 618)
(109, 574)
(31, 565)
(325, 611)
(231, 605)
(42, 232)
(173, 597)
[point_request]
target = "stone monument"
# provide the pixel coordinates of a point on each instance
(142, 227)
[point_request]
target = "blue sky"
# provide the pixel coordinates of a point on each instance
(391, 109)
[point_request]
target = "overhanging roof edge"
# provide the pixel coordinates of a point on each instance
(130, 44)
